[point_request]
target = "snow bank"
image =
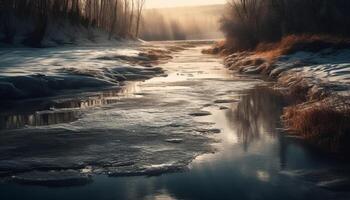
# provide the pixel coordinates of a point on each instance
(32, 73)
(33, 86)
(325, 68)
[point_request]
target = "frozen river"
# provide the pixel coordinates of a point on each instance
(197, 131)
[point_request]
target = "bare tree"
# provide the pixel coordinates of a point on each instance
(140, 5)
(131, 20)
(115, 16)
(115, 19)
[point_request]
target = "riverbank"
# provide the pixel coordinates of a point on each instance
(315, 75)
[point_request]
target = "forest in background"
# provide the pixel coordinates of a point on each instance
(248, 23)
(33, 18)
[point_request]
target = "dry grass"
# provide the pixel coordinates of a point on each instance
(220, 47)
(301, 89)
(147, 58)
(156, 54)
(325, 123)
(288, 45)
(299, 93)
(294, 43)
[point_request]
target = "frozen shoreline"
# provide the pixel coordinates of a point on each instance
(318, 84)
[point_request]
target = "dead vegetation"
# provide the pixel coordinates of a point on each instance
(146, 58)
(294, 43)
(262, 59)
(317, 114)
(219, 48)
(325, 123)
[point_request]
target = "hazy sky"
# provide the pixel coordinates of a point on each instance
(177, 3)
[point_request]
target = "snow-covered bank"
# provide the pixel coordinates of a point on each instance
(319, 84)
(321, 69)
(32, 73)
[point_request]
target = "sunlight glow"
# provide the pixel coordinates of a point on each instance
(263, 175)
(180, 3)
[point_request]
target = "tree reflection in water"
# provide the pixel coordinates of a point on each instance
(256, 115)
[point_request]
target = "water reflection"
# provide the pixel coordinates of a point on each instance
(57, 111)
(37, 119)
(256, 114)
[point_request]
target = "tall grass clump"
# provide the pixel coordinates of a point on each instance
(248, 23)
(326, 123)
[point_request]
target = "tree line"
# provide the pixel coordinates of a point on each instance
(250, 22)
(118, 17)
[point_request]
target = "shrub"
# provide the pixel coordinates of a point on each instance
(325, 123)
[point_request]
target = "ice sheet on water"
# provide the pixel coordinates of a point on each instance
(136, 136)
(115, 152)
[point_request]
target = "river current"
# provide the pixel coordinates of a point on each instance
(199, 132)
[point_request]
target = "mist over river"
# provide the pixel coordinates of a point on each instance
(182, 23)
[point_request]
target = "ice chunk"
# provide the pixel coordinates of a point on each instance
(200, 113)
